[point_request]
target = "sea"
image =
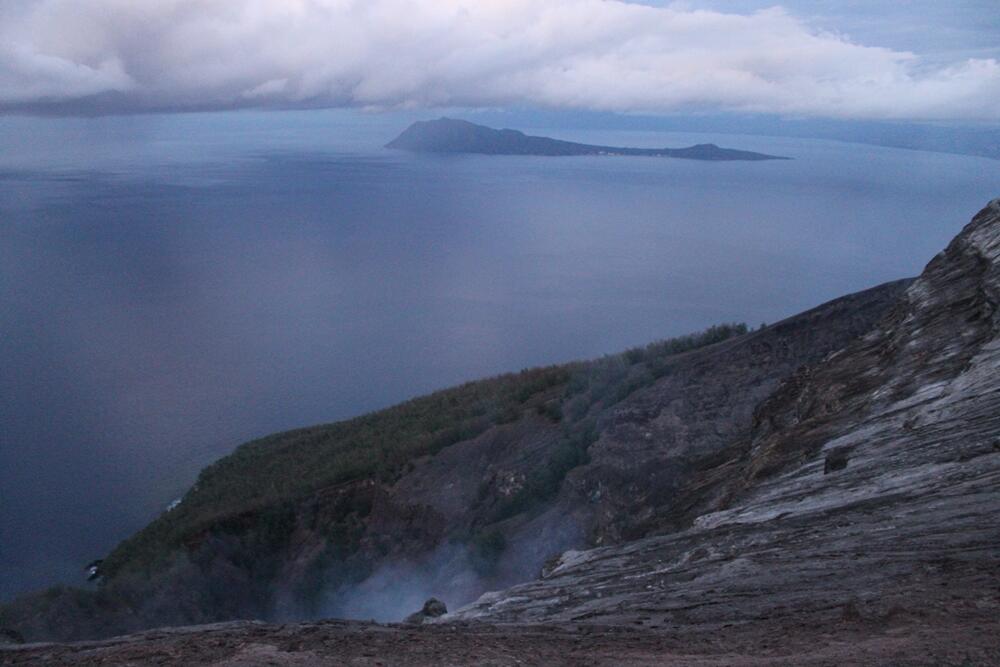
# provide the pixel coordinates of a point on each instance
(173, 285)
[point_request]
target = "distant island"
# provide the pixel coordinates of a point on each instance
(449, 135)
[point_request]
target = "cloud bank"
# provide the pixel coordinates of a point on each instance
(607, 55)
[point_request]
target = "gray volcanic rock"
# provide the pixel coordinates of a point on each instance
(432, 609)
(448, 135)
(868, 488)
(653, 444)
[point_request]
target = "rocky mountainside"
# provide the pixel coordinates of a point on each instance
(869, 486)
(469, 490)
(823, 491)
(449, 135)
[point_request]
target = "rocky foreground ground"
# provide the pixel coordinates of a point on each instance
(968, 638)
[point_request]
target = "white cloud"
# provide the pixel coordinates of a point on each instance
(583, 54)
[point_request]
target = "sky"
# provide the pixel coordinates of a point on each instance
(940, 32)
(910, 61)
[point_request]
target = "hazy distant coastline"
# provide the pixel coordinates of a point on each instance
(449, 135)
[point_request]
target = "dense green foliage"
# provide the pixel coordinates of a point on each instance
(257, 484)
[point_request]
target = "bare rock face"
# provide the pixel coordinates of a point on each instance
(657, 441)
(868, 488)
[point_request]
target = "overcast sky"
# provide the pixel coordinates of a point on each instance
(918, 60)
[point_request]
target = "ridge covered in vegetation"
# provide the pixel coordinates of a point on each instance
(263, 477)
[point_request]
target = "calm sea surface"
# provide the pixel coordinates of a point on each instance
(171, 286)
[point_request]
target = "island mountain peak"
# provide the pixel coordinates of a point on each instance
(451, 135)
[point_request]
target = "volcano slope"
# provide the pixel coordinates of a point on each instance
(467, 490)
(869, 487)
(850, 520)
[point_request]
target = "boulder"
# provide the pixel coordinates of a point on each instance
(433, 608)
